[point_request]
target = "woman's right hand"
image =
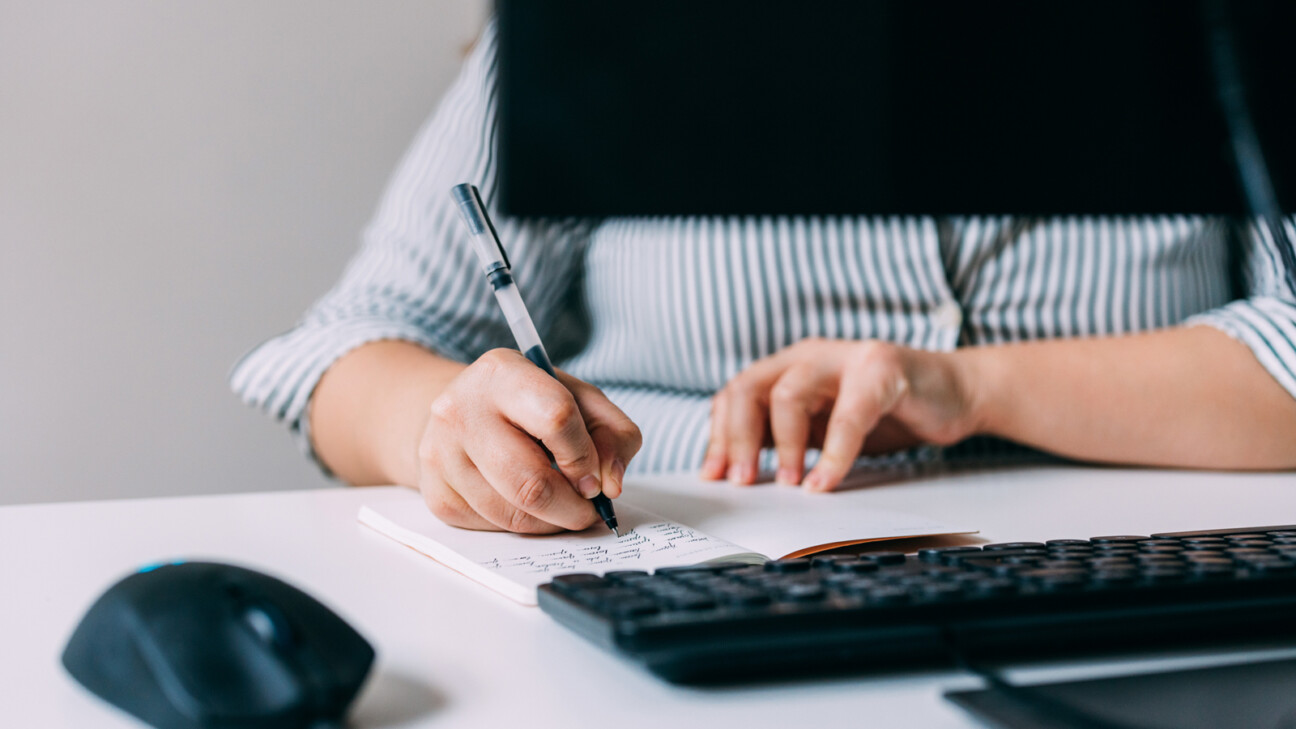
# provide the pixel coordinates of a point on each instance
(481, 467)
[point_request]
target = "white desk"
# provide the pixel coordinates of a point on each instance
(453, 654)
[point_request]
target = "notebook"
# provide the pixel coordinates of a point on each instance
(666, 522)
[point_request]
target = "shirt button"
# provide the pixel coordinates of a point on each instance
(948, 316)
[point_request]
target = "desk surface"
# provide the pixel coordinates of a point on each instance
(453, 654)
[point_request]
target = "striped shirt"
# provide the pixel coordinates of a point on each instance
(662, 312)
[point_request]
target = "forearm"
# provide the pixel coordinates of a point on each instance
(1187, 397)
(371, 407)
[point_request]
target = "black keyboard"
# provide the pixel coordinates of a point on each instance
(882, 610)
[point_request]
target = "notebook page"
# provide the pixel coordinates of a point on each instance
(515, 564)
(775, 520)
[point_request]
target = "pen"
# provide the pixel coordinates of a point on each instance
(500, 275)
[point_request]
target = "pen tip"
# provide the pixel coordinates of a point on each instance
(617, 532)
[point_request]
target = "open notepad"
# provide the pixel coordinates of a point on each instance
(670, 522)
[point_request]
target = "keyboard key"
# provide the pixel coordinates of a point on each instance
(691, 602)
(804, 593)
(856, 567)
(938, 592)
(1115, 577)
(677, 571)
(1146, 543)
(1212, 568)
(1272, 565)
(575, 581)
(1053, 578)
(1060, 564)
(633, 608)
(1164, 574)
(826, 561)
(883, 558)
(1157, 558)
(1023, 558)
(1162, 550)
(1110, 562)
(1013, 545)
(1121, 539)
(1253, 536)
(1116, 548)
(994, 587)
(935, 554)
(1076, 549)
(1198, 558)
(888, 596)
(744, 598)
(1068, 543)
(960, 558)
(788, 565)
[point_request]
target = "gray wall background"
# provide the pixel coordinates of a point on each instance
(178, 181)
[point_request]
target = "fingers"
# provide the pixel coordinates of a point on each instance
(778, 396)
(519, 475)
(616, 438)
(742, 420)
(716, 461)
(548, 412)
(747, 415)
(472, 503)
(775, 396)
(543, 408)
(795, 398)
(481, 465)
(871, 387)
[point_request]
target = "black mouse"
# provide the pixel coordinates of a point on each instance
(199, 644)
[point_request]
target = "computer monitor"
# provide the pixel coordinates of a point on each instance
(676, 107)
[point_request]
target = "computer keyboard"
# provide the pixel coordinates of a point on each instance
(1021, 600)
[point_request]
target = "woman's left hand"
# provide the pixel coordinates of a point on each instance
(847, 398)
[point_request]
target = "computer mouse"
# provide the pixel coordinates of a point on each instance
(200, 644)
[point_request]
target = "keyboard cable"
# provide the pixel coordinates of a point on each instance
(1041, 708)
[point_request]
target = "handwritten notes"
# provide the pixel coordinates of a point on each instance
(653, 544)
(515, 565)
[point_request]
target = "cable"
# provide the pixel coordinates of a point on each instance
(1248, 156)
(1044, 709)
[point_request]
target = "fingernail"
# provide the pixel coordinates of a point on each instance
(786, 475)
(713, 467)
(618, 472)
(815, 482)
(589, 487)
(744, 474)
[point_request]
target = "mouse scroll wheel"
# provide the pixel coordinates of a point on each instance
(269, 624)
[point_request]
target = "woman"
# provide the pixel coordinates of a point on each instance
(1107, 340)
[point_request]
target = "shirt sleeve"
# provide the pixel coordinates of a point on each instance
(416, 277)
(1265, 319)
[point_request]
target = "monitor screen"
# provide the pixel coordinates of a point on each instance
(678, 107)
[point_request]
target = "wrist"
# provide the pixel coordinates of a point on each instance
(981, 376)
(370, 408)
(407, 421)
